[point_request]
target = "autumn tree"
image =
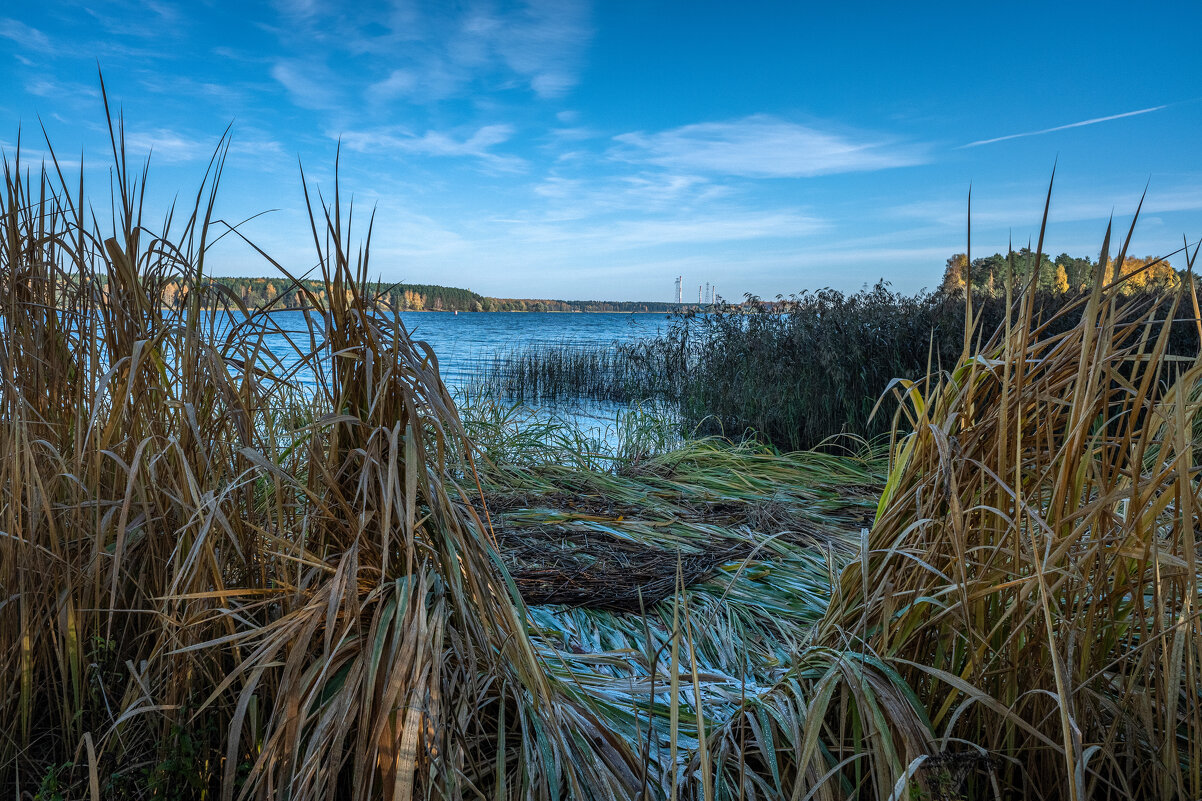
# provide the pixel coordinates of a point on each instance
(1078, 271)
(954, 274)
(1061, 284)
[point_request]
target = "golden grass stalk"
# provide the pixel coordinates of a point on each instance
(213, 601)
(1033, 574)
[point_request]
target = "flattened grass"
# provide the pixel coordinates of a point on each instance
(213, 585)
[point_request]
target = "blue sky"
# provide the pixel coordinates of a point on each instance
(573, 150)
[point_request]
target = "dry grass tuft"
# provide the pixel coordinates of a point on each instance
(1033, 573)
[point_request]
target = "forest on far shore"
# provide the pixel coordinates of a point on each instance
(276, 293)
(1062, 274)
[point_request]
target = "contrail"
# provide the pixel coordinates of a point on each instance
(1093, 121)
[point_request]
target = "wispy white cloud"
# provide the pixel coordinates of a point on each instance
(230, 94)
(576, 198)
(627, 234)
(310, 85)
(427, 52)
(31, 156)
(24, 35)
(544, 44)
(437, 143)
(174, 147)
(139, 19)
(259, 148)
(167, 145)
(1026, 209)
(554, 244)
(539, 44)
(298, 9)
(1081, 124)
(762, 146)
(60, 90)
(427, 79)
(576, 134)
(406, 234)
(399, 82)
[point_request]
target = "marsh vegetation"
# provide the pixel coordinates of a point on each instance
(798, 371)
(212, 585)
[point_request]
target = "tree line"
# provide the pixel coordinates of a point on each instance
(279, 293)
(1061, 275)
(542, 305)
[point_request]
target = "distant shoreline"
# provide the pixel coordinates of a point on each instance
(260, 292)
(464, 311)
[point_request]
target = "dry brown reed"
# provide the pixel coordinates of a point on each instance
(211, 587)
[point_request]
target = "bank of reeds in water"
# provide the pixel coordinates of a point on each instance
(615, 371)
(208, 591)
(812, 366)
(792, 373)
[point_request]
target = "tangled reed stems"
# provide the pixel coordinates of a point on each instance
(181, 573)
(212, 585)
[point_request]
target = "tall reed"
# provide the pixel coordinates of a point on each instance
(1029, 592)
(1034, 571)
(212, 584)
(196, 599)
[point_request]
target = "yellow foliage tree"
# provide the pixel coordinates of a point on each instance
(1060, 283)
(1141, 277)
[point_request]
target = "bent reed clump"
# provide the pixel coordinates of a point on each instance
(210, 585)
(196, 599)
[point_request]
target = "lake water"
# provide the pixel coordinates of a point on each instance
(464, 341)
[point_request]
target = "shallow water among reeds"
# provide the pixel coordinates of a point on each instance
(487, 355)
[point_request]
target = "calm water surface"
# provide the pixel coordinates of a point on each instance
(464, 341)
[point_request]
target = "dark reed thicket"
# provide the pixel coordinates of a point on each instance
(794, 372)
(801, 370)
(798, 371)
